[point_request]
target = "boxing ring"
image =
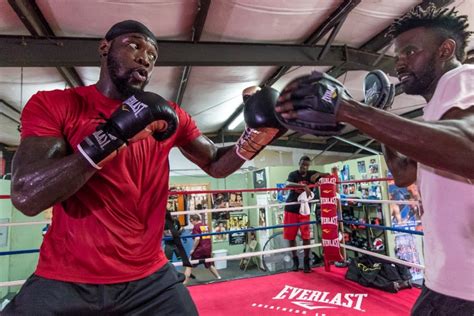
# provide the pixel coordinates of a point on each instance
(323, 292)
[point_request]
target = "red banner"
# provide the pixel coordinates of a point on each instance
(329, 223)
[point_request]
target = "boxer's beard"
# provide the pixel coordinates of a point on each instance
(121, 82)
(421, 83)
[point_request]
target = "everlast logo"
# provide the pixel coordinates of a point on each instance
(134, 104)
(102, 138)
(329, 94)
(327, 180)
(306, 298)
(330, 243)
(371, 93)
(329, 200)
(329, 220)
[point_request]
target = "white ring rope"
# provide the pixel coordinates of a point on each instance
(260, 253)
(231, 257)
(24, 223)
(230, 209)
(238, 208)
(381, 201)
(394, 260)
(250, 254)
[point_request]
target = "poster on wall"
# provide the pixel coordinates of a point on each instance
(220, 226)
(225, 200)
(283, 194)
(260, 179)
(373, 166)
(220, 200)
(196, 201)
(361, 166)
(237, 222)
(345, 173)
(408, 217)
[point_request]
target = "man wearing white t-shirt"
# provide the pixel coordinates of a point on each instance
(437, 153)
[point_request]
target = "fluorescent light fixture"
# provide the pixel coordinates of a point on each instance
(236, 122)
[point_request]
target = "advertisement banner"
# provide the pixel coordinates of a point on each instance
(329, 224)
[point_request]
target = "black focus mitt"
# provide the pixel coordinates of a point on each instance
(378, 90)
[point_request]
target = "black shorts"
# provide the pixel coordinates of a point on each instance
(161, 293)
(433, 303)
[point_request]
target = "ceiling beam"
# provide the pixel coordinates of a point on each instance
(22, 51)
(198, 26)
(10, 106)
(330, 146)
(380, 40)
(9, 117)
(31, 16)
(333, 22)
(330, 23)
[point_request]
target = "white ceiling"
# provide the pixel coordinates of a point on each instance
(212, 93)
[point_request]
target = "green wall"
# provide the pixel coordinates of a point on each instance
(5, 215)
(17, 267)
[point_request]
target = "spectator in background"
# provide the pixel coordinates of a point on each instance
(202, 247)
(170, 246)
(300, 178)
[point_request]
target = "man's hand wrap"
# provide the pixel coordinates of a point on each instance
(379, 92)
(315, 100)
(137, 117)
(262, 124)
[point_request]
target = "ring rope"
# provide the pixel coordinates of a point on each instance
(381, 201)
(231, 257)
(381, 227)
(237, 208)
(394, 260)
(26, 251)
(174, 192)
(24, 223)
(250, 254)
(260, 253)
(181, 192)
(187, 212)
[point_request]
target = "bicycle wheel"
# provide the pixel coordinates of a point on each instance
(282, 261)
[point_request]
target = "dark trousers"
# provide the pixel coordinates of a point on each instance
(431, 303)
(171, 249)
(161, 293)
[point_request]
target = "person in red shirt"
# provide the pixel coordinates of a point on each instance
(202, 247)
(99, 156)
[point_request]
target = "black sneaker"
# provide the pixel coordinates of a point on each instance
(296, 264)
(306, 265)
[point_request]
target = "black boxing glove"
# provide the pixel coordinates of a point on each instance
(378, 91)
(139, 116)
(315, 99)
(262, 126)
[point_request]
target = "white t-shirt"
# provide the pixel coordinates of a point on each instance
(448, 201)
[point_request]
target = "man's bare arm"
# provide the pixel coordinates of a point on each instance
(403, 169)
(447, 144)
(217, 162)
(44, 174)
